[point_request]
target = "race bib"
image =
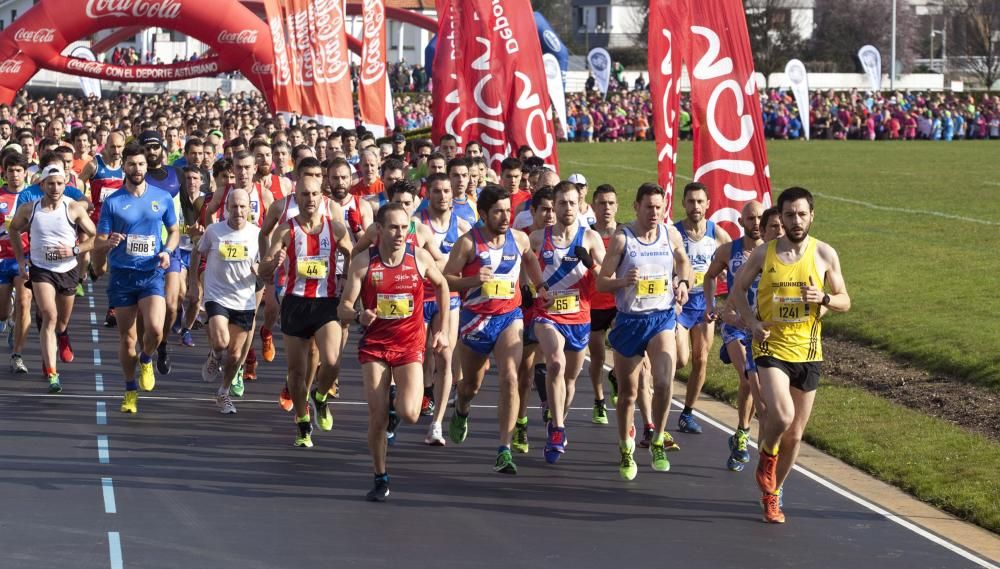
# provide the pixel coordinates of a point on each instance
(699, 278)
(140, 245)
(52, 254)
(565, 302)
(313, 267)
(233, 251)
(499, 289)
(651, 287)
(790, 309)
(394, 306)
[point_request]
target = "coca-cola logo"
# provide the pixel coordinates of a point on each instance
(43, 35)
(373, 69)
(261, 68)
(10, 66)
(331, 51)
(165, 9)
(242, 37)
(84, 66)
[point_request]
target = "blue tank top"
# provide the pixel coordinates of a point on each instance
(444, 240)
(171, 184)
(736, 260)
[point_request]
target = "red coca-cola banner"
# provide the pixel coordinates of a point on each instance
(729, 153)
(446, 100)
(301, 57)
(286, 95)
(331, 71)
(372, 73)
(37, 39)
(502, 80)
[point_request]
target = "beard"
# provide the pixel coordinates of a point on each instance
(800, 238)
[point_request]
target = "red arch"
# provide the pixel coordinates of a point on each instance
(36, 40)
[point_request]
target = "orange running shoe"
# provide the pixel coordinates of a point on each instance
(250, 370)
(771, 506)
(766, 474)
(285, 399)
(267, 344)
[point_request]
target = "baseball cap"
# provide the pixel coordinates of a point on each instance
(52, 170)
(577, 179)
(399, 137)
(150, 137)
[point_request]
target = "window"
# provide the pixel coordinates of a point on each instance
(601, 23)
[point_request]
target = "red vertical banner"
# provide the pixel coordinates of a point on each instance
(446, 102)
(286, 96)
(729, 153)
(328, 42)
(300, 56)
(667, 50)
(372, 77)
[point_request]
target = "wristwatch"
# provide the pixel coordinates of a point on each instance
(826, 300)
(686, 283)
(76, 250)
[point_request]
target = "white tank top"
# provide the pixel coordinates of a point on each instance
(49, 229)
(655, 290)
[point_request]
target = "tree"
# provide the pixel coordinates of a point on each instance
(843, 26)
(774, 38)
(976, 25)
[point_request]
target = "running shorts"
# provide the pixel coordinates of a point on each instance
(480, 331)
(633, 332)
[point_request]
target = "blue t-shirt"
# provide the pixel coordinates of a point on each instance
(141, 219)
(35, 192)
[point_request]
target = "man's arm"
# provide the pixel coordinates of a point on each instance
(682, 266)
(738, 295)
(715, 268)
(275, 253)
(839, 301)
(457, 260)
(85, 225)
(270, 222)
(366, 240)
(19, 225)
(441, 292)
(529, 263)
(606, 281)
(352, 288)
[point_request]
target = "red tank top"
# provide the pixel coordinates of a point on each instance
(257, 209)
(7, 202)
(602, 300)
(275, 187)
(396, 294)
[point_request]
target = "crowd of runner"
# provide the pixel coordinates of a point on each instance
(215, 224)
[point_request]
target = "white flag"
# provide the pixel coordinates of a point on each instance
(797, 76)
(600, 64)
(871, 60)
(91, 87)
(557, 94)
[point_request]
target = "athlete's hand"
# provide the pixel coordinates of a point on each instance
(544, 297)
(255, 269)
(811, 293)
(164, 260)
(195, 230)
(632, 277)
(760, 330)
(23, 268)
(367, 317)
(681, 294)
(485, 274)
(191, 298)
(710, 315)
(439, 343)
(115, 238)
(62, 251)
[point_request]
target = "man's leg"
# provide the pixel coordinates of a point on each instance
(297, 356)
(443, 368)
(22, 314)
(598, 355)
(507, 353)
(701, 335)
(328, 345)
(792, 438)
(553, 346)
(683, 348)
(171, 298)
(45, 298)
(775, 392)
(377, 378)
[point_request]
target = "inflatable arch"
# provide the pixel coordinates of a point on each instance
(240, 40)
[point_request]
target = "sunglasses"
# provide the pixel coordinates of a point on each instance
(153, 147)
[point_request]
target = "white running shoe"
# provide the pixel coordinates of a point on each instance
(225, 404)
(212, 369)
(434, 437)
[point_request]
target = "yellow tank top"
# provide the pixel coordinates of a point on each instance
(796, 328)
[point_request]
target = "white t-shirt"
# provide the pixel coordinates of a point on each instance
(584, 220)
(230, 255)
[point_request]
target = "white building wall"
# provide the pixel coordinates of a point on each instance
(625, 20)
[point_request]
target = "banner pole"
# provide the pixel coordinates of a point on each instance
(892, 64)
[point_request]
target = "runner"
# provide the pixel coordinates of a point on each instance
(695, 333)
(390, 279)
(486, 264)
(602, 304)
(646, 255)
(279, 187)
(12, 284)
(53, 224)
(787, 332)
(568, 255)
(104, 175)
(188, 204)
(369, 184)
(735, 338)
(230, 249)
(446, 226)
(312, 240)
(129, 234)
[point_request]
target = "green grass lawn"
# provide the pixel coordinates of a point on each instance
(919, 280)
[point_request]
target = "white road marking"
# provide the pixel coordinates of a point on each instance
(115, 550)
(908, 210)
(109, 496)
(103, 455)
(99, 382)
(102, 413)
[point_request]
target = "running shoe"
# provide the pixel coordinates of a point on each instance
(79, 289)
(390, 430)
(647, 437)
(335, 390)
(17, 364)
(237, 388)
(187, 340)
(427, 406)
(627, 467)
(285, 399)
(225, 403)
(250, 370)
(505, 462)
(520, 441)
(130, 403)
(162, 359)
(380, 493)
(546, 412)
(555, 445)
(734, 465)
(305, 434)
(669, 443)
(54, 385)
(212, 368)
(766, 472)
(600, 414)
(110, 320)
(434, 436)
(324, 417)
(147, 379)
(659, 454)
(267, 345)
(738, 446)
(64, 347)
(770, 504)
(614, 387)
(198, 324)
(458, 428)
(686, 423)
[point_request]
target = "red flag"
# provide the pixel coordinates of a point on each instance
(328, 55)
(301, 57)
(372, 79)
(667, 49)
(286, 95)
(729, 153)
(446, 100)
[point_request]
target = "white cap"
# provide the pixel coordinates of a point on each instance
(577, 179)
(52, 170)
